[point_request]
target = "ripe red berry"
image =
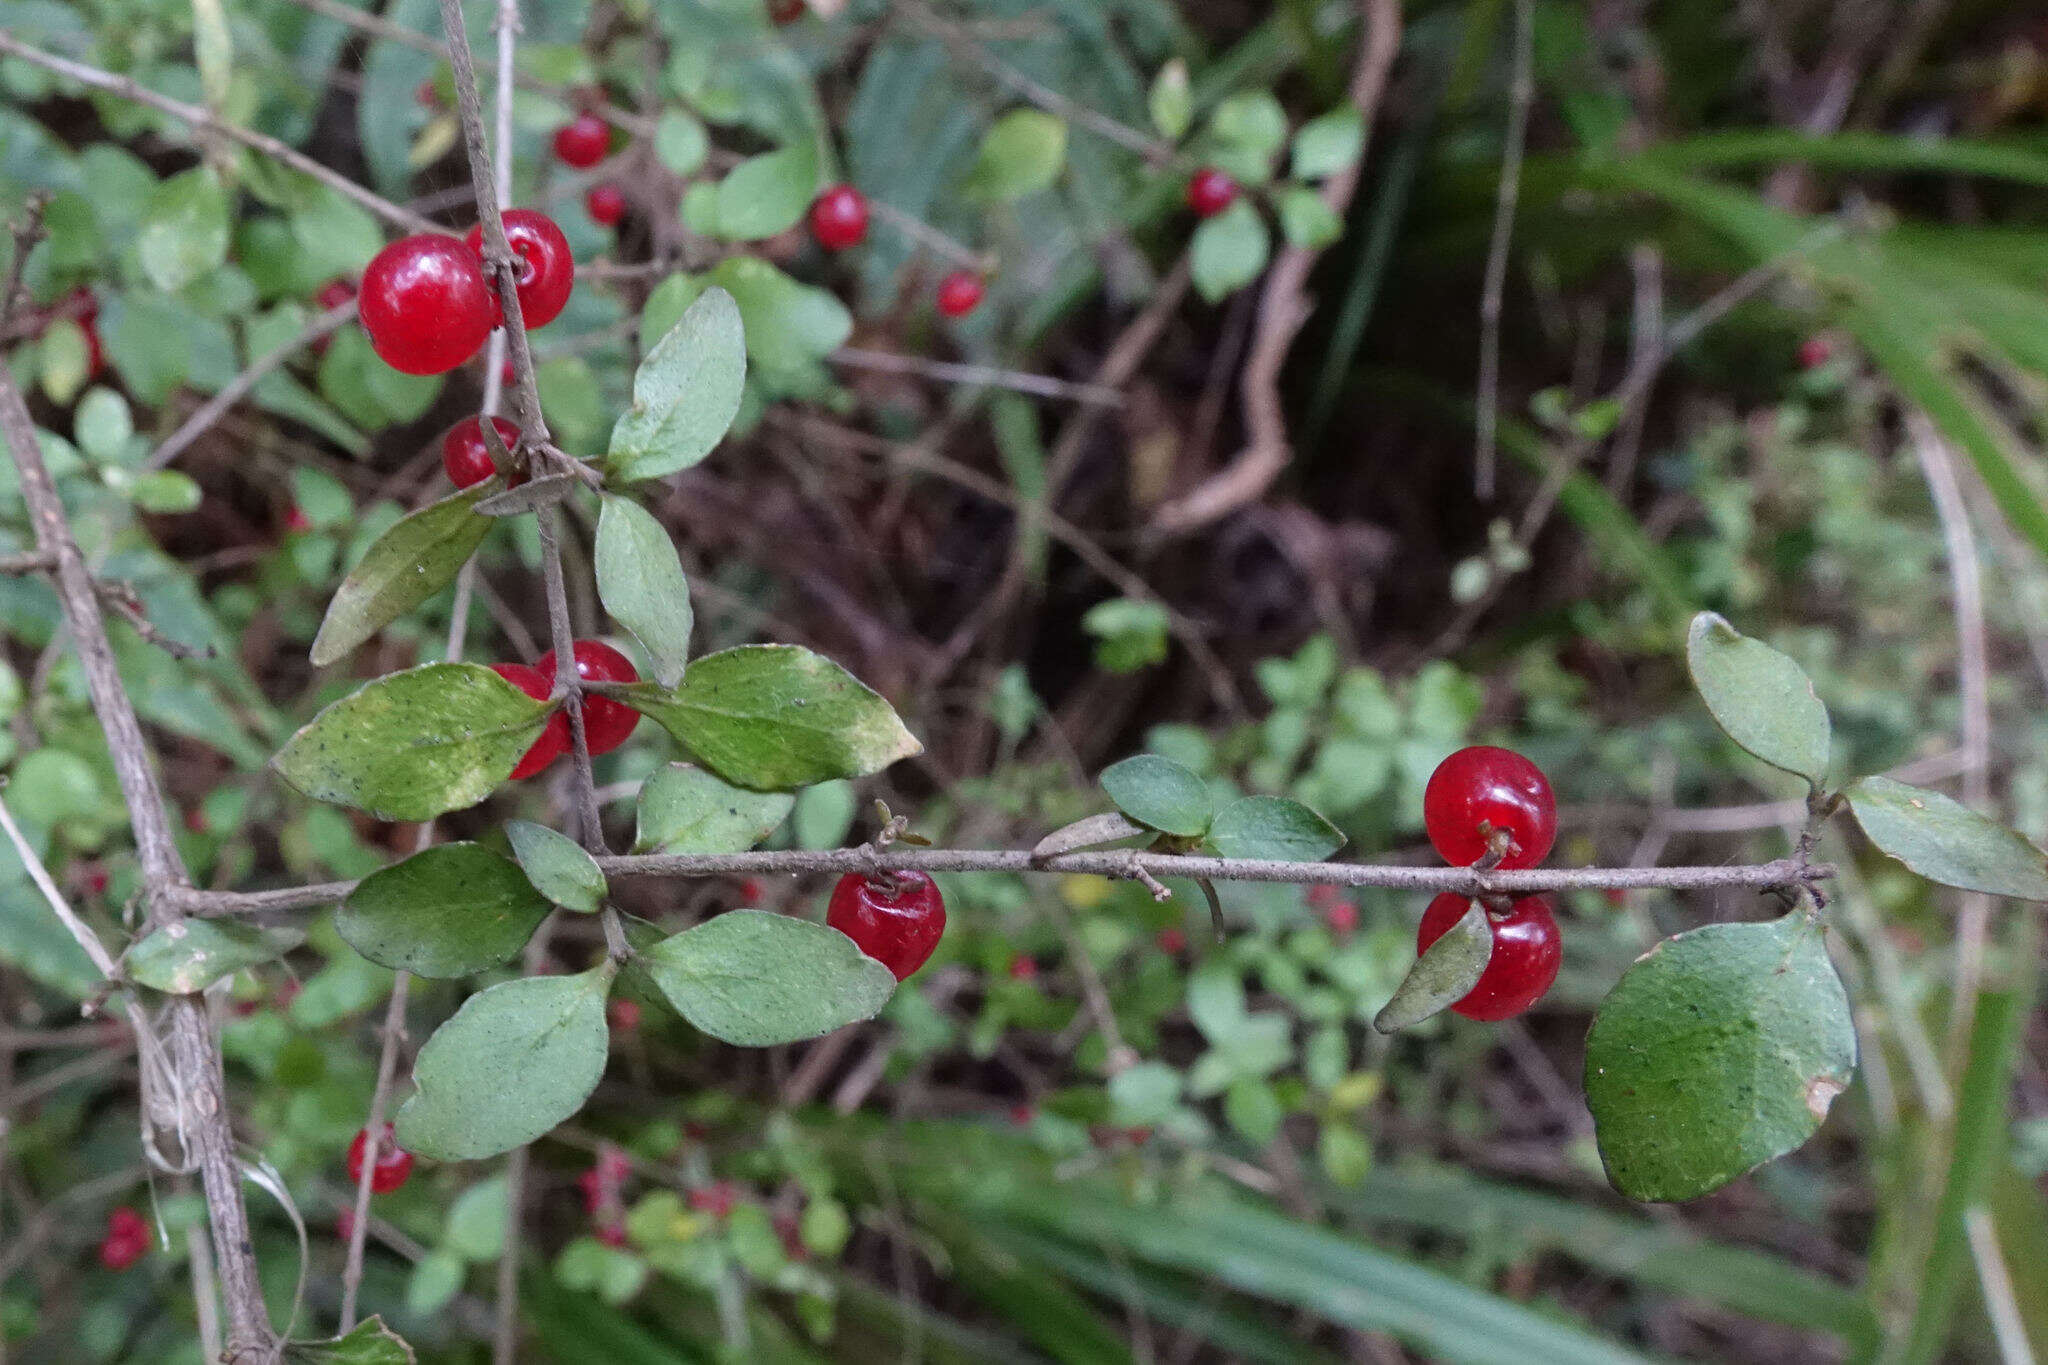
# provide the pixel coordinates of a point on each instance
(716, 1199)
(554, 737)
(583, 141)
(1210, 192)
(1173, 942)
(960, 293)
(426, 96)
(426, 305)
(611, 1234)
(839, 218)
(547, 268)
(606, 204)
(782, 12)
(334, 293)
(1480, 790)
(126, 1239)
(83, 308)
(752, 892)
(295, 519)
(606, 723)
(623, 1015)
(896, 919)
(466, 456)
(1526, 954)
(1815, 352)
(1022, 1114)
(1023, 968)
(1342, 918)
(394, 1163)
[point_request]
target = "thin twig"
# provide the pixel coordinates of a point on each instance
(28, 229)
(1045, 386)
(213, 409)
(1521, 95)
(45, 883)
(925, 234)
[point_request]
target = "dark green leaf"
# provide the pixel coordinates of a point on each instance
(192, 954)
(1761, 698)
(640, 579)
(1160, 793)
(685, 392)
(414, 745)
(371, 1343)
(409, 563)
(758, 979)
(449, 910)
(1443, 975)
(776, 717)
(1947, 842)
(684, 809)
(1717, 1051)
(1273, 827)
(512, 1063)
(1021, 154)
(557, 866)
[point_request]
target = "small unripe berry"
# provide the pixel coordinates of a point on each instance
(1023, 968)
(623, 1015)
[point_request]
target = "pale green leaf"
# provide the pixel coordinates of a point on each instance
(757, 979)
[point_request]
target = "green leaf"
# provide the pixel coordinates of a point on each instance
(1759, 697)
(824, 814)
(776, 717)
(62, 358)
(1947, 842)
(477, 1221)
(1328, 144)
(680, 141)
(1717, 1051)
(1021, 154)
(1443, 975)
(184, 230)
(102, 425)
(767, 194)
(557, 866)
(1146, 1093)
(685, 392)
(436, 1278)
(449, 910)
(640, 580)
(192, 954)
(1160, 793)
(1130, 634)
(1305, 220)
(684, 809)
(371, 1343)
(1252, 122)
(1228, 251)
(757, 979)
(166, 492)
(512, 1063)
(1171, 101)
(1273, 827)
(409, 563)
(416, 744)
(788, 325)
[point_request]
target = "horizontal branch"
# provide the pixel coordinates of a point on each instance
(1113, 863)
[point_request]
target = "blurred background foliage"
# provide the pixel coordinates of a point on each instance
(986, 1173)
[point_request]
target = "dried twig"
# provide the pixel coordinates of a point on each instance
(1045, 386)
(1521, 95)
(213, 409)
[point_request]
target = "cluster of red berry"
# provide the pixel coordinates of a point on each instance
(603, 1187)
(1492, 807)
(606, 723)
(895, 918)
(839, 220)
(126, 1240)
(581, 143)
(394, 1163)
(428, 306)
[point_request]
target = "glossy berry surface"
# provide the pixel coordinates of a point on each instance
(1210, 192)
(839, 218)
(126, 1239)
(467, 457)
(583, 141)
(1479, 790)
(960, 293)
(606, 204)
(547, 268)
(394, 1163)
(896, 919)
(425, 304)
(1526, 954)
(606, 723)
(554, 739)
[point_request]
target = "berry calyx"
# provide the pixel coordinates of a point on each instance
(466, 456)
(1526, 954)
(839, 218)
(394, 1163)
(583, 141)
(426, 305)
(1210, 192)
(895, 919)
(547, 268)
(606, 204)
(554, 737)
(1480, 792)
(960, 293)
(606, 723)
(126, 1239)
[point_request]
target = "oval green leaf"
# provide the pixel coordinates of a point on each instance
(512, 1063)
(192, 954)
(1947, 842)
(1160, 794)
(1228, 251)
(640, 580)
(1717, 1051)
(684, 809)
(184, 229)
(1445, 973)
(685, 393)
(371, 1343)
(1759, 697)
(1022, 153)
(557, 866)
(756, 979)
(409, 563)
(1273, 827)
(767, 194)
(449, 910)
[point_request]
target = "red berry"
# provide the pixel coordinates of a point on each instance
(1480, 790)
(426, 96)
(96, 881)
(790, 1229)
(1616, 897)
(606, 204)
(1341, 917)
(1023, 969)
(394, 1163)
(126, 1240)
(613, 1165)
(426, 305)
(1815, 352)
(895, 920)
(583, 141)
(1173, 942)
(334, 293)
(547, 268)
(839, 218)
(1323, 895)
(782, 12)
(960, 293)
(611, 1234)
(83, 308)
(623, 1014)
(466, 456)
(1210, 192)
(554, 738)
(716, 1199)
(1022, 1114)
(752, 892)
(195, 819)
(1526, 953)
(606, 723)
